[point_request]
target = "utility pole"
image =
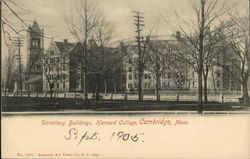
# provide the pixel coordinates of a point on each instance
(85, 51)
(19, 43)
(138, 19)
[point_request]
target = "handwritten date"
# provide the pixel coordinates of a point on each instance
(74, 134)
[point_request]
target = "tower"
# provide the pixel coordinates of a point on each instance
(35, 47)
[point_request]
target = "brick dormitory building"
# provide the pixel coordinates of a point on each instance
(61, 66)
(218, 78)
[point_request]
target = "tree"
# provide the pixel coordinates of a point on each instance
(207, 14)
(102, 64)
(11, 73)
(160, 59)
(238, 59)
(81, 26)
(215, 42)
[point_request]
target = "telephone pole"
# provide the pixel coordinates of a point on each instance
(19, 43)
(139, 23)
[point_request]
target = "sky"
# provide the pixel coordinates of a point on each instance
(158, 14)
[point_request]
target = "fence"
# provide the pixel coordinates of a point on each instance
(226, 96)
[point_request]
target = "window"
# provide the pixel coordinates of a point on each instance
(63, 67)
(63, 85)
(164, 85)
(194, 84)
(129, 85)
(169, 74)
(218, 84)
(33, 43)
(149, 76)
(130, 77)
(130, 69)
(52, 60)
(64, 77)
(136, 85)
(58, 85)
(38, 43)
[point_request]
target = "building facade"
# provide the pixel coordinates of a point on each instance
(176, 74)
(64, 65)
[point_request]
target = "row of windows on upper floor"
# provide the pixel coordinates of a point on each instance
(35, 43)
(55, 60)
(168, 75)
(55, 68)
(56, 77)
(165, 75)
(169, 84)
(166, 57)
(150, 85)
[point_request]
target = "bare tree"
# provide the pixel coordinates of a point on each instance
(215, 42)
(11, 73)
(238, 56)
(160, 59)
(102, 53)
(81, 25)
(207, 14)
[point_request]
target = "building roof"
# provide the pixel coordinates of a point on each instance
(35, 28)
(65, 46)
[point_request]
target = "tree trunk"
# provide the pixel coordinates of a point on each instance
(97, 87)
(246, 99)
(114, 82)
(205, 91)
(157, 86)
(51, 91)
(105, 86)
(205, 87)
(140, 74)
(178, 95)
(200, 92)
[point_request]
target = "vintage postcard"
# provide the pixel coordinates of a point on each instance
(125, 79)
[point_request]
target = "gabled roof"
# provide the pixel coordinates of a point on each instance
(65, 46)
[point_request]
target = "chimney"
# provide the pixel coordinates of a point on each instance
(178, 35)
(65, 41)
